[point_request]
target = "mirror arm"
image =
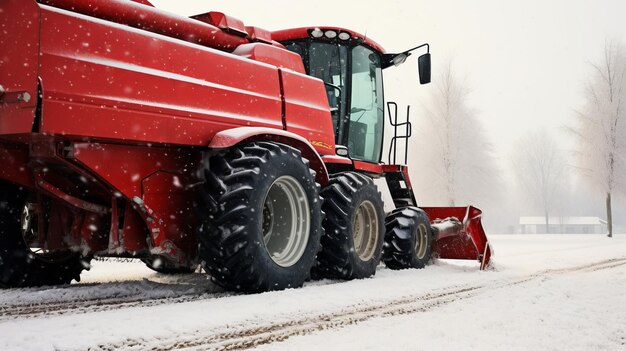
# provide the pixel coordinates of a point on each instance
(388, 58)
(417, 47)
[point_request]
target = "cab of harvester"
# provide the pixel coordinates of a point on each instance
(351, 67)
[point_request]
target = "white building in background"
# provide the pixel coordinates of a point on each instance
(563, 225)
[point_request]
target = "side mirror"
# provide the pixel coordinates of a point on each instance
(423, 63)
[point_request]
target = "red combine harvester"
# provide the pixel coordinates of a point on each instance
(127, 131)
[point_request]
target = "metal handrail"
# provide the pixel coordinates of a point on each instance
(393, 148)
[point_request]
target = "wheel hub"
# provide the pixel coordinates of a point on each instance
(286, 221)
(365, 231)
(421, 241)
(30, 224)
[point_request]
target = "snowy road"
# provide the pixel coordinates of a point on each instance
(546, 292)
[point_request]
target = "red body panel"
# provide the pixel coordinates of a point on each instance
(335, 159)
(307, 112)
(466, 241)
(15, 166)
(19, 40)
(148, 88)
(368, 167)
(158, 182)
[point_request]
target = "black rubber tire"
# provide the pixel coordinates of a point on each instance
(19, 266)
(342, 197)
(165, 267)
(400, 250)
(232, 250)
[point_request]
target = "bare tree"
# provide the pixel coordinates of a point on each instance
(601, 126)
(456, 163)
(539, 167)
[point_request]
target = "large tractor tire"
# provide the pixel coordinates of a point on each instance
(352, 245)
(263, 219)
(408, 239)
(20, 266)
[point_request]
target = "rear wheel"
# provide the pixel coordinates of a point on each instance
(23, 261)
(408, 239)
(354, 228)
(263, 215)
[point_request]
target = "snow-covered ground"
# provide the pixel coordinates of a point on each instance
(546, 292)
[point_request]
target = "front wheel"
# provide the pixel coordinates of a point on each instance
(408, 240)
(262, 220)
(354, 228)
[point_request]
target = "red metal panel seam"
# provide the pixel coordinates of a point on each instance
(282, 99)
(38, 120)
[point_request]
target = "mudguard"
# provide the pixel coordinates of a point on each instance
(231, 137)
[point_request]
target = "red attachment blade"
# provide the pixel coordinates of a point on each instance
(459, 234)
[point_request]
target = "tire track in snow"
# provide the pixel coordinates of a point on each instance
(85, 298)
(249, 337)
(96, 305)
(99, 304)
(597, 266)
(81, 305)
(245, 338)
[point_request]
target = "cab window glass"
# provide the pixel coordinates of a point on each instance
(328, 63)
(366, 110)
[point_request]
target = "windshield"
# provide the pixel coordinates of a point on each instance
(366, 110)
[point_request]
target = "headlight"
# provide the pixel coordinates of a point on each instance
(330, 34)
(344, 35)
(317, 33)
